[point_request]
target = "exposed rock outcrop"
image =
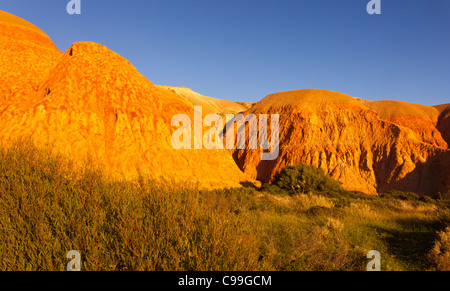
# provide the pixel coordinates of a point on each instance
(91, 104)
(352, 143)
(420, 118)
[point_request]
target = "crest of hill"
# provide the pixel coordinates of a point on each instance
(442, 108)
(27, 55)
(421, 119)
(209, 104)
(21, 31)
(305, 97)
(388, 108)
(10, 19)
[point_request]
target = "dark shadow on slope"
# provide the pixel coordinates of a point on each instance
(443, 125)
(409, 246)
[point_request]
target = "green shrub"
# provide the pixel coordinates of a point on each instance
(304, 179)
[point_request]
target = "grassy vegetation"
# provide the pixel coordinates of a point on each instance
(48, 208)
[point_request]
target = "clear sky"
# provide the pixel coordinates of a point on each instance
(243, 50)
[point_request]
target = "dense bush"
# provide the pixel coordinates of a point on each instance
(304, 179)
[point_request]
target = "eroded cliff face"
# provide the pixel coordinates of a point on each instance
(443, 124)
(351, 142)
(91, 104)
(421, 119)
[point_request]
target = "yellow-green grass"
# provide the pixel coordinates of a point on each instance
(48, 208)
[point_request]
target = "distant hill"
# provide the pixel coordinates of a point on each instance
(209, 104)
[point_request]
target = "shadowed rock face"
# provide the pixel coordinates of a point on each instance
(91, 104)
(443, 124)
(352, 143)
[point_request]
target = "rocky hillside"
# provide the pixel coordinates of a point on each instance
(420, 118)
(89, 103)
(371, 147)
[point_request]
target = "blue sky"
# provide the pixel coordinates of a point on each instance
(243, 50)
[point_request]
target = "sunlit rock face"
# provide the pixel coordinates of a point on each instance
(91, 104)
(359, 145)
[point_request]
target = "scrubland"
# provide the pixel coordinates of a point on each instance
(304, 221)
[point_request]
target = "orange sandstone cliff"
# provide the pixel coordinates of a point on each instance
(367, 148)
(420, 118)
(89, 103)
